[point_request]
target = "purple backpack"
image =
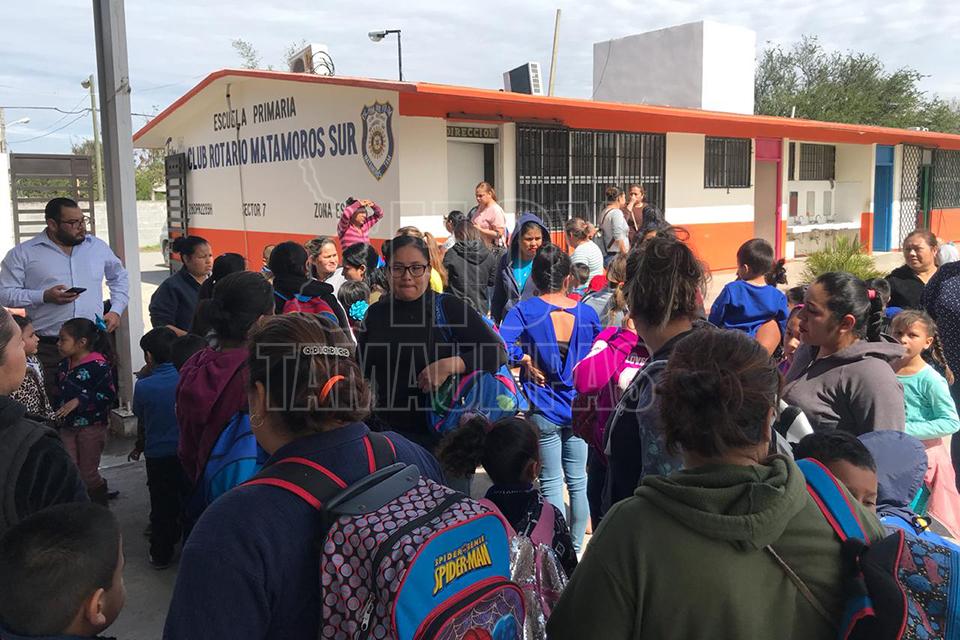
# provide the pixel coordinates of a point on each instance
(402, 556)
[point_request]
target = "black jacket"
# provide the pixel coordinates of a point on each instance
(175, 301)
(905, 288)
(471, 268)
(288, 287)
(35, 470)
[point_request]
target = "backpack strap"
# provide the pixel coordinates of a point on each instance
(315, 484)
(380, 451)
(832, 501)
(440, 317)
(543, 532)
(802, 588)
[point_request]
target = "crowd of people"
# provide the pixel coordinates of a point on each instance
(323, 382)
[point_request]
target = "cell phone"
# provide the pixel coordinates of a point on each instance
(75, 290)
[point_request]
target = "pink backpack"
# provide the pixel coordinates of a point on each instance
(534, 566)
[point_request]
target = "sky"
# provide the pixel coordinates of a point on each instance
(47, 46)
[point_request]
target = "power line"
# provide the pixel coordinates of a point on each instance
(44, 135)
(71, 113)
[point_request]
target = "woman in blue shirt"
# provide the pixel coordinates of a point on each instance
(547, 335)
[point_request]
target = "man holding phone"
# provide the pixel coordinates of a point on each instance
(58, 275)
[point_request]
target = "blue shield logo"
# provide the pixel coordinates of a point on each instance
(377, 137)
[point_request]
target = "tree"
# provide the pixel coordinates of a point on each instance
(148, 165)
(250, 58)
(845, 87)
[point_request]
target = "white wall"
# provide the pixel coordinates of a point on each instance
(423, 174)
(6, 206)
(854, 184)
(897, 183)
(507, 189)
(151, 221)
(688, 202)
(701, 65)
(729, 62)
(464, 171)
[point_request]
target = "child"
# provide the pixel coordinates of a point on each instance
(847, 458)
(791, 339)
(183, 349)
(62, 574)
(752, 300)
(87, 394)
(509, 451)
(881, 287)
(154, 401)
(355, 223)
(32, 394)
(580, 275)
(795, 296)
(354, 296)
(930, 411)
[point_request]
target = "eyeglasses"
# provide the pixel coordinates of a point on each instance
(82, 222)
(415, 270)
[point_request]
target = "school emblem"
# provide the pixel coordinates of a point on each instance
(377, 137)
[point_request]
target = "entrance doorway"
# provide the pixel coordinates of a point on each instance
(468, 163)
(883, 199)
(766, 193)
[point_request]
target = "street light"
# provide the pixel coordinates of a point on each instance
(377, 36)
(20, 121)
(97, 151)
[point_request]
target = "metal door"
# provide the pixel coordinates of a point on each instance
(175, 168)
(883, 199)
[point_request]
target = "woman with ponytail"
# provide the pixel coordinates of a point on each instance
(250, 567)
(546, 336)
(702, 552)
(841, 377)
(174, 303)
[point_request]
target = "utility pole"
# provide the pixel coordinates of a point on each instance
(3, 132)
(121, 194)
(553, 58)
(97, 150)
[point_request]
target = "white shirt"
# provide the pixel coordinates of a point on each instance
(589, 254)
(34, 266)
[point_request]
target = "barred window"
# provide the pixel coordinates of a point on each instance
(946, 179)
(818, 162)
(562, 173)
(726, 163)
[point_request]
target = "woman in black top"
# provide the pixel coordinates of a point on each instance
(175, 301)
(907, 282)
(471, 267)
(406, 356)
(288, 264)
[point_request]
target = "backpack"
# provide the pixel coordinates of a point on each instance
(598, 238)
(535, 567)
(402, 556)
(299, 303)
(235, 458)
(492, 395)
(899, 587)
(16, 440)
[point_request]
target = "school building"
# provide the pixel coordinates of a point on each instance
(258, 157)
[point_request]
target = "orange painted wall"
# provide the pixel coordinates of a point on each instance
(231, 241)
(717, 244)
(945, 223)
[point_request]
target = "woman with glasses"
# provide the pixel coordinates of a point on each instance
(415, 339)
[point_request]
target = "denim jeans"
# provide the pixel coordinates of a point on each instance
(564, 457)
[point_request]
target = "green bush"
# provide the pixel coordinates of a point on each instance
(845, 254)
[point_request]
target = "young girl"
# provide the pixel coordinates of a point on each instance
(931, 413)
(752, 300)
(32, 394)
(791, 339)
(354, 296)
(509, 451)
(87, 393)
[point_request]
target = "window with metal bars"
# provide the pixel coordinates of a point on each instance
(562, 173)
(946, 179)
(818, 162)
(726, 163)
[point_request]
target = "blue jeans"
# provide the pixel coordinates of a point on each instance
(564, 456)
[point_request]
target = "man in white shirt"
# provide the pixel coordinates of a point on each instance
(58, 275)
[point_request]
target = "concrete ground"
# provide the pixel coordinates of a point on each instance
(149, 590)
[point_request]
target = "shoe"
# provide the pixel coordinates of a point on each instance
(159, 563)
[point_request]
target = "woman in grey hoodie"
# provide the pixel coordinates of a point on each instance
(842, 376)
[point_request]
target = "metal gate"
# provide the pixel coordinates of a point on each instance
(175, 178)
(915, 189)
(35, 179)
(562, 173)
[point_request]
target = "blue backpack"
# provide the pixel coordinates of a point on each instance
(900, 587)
(235, 458)
(492, 395)
(402, 556)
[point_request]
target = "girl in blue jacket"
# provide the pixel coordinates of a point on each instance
(547, 335)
